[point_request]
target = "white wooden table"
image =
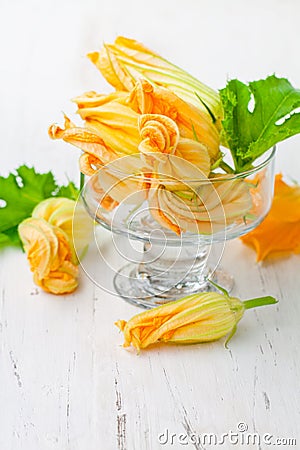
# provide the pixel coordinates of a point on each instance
(65, 381)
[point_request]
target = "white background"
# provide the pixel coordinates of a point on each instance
(65, 381)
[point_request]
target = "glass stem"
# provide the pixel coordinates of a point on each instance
(172, 268)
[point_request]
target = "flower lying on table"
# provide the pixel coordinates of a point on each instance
(50, 257)
(42, 216)
(48, 239)
(194, 319)
(279, 233)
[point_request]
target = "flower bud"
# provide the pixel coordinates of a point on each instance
(198, 318)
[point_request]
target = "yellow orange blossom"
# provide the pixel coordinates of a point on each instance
(117, 120)
(195, 153)
(72, 218)
(50, 236)
(115, 123)
(115, 126)
(279, 233)
(129, 179)
(100, 196)
(203, 208)
(96, 153)
(89, 164)
(122, 180)
(192, 123)
(126, 60)
(175, 173)
(89, 139)
(198, 318)
(92, 99)
(50, 256)
(160, 135)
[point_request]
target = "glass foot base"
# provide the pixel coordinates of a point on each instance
(135, 286)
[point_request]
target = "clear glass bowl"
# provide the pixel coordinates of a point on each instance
(178, 214)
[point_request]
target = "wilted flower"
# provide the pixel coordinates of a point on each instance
(194, 319)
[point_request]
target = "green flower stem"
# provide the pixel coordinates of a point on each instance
(226, 167)
(259, 301)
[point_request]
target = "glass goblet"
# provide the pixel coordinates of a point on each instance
(177, 214)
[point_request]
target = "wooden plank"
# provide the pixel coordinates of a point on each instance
(66, 383)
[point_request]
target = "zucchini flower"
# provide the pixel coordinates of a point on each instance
(110, 130)
(96, 152)
(146, 98)
(132, 178)
(161, 141)
(200, 208)
(49, 255)
(158, 133)
(120, 181)
(126, 60)
(71, 218)
(115, 125)
(48, 238)
(279, 232)
(115, 122)
(198, 318)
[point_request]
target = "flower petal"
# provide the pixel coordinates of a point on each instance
(83, 138)
(158, 133)
(191, 121)
(37, 246)
(204, 208)
(127, 60)
(116, 124)
(279, 233)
